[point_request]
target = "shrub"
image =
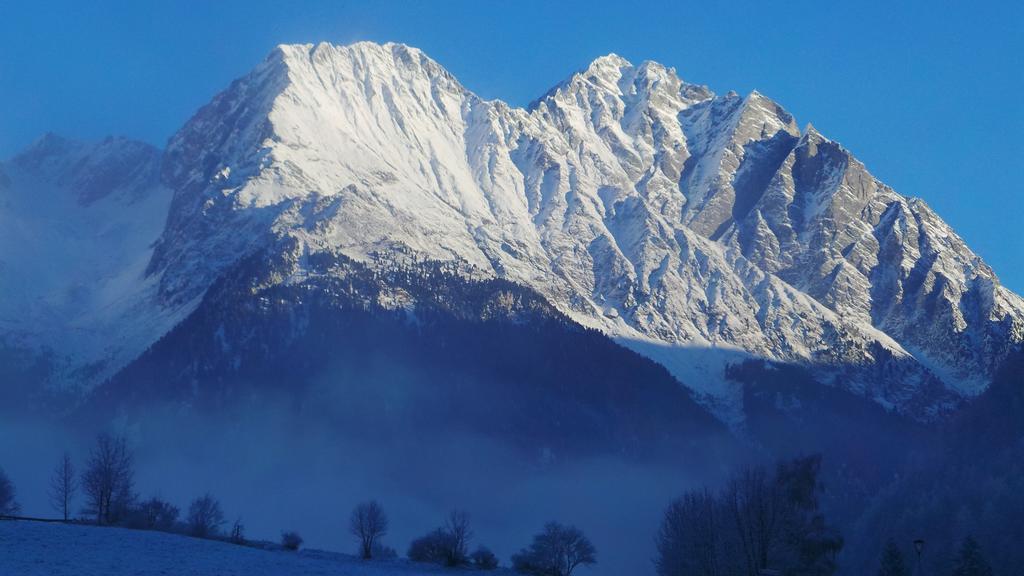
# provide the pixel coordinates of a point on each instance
(432, 547)
(383, 552)
(291, 540)
(483, 559)
(153, 514)
(447, 545)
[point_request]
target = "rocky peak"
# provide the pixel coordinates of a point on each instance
(638, 204)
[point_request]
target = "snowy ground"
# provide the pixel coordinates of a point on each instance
(36, 549)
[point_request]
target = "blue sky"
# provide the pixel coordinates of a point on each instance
(927, 94)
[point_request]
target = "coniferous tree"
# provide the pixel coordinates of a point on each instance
(892, 561)
(8, 505)
(970, 561)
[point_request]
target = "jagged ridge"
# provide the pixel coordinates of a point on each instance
(634, 201)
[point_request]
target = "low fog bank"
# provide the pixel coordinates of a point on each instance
(276, 470)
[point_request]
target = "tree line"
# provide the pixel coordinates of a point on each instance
(107, 486)
(768, 521)
(970, 561)
(763, 521)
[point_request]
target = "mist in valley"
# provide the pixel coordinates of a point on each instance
(276, 469)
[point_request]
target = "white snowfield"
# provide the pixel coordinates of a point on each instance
(37, 549)
(673, 219)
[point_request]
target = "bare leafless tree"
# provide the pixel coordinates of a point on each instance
(238, 532)
(753, 500)
(205, 517)
(368, 524)
(457, 527)
(109, 479)
(557, 551)
(762, 521)
(63, 486)
(690, 539)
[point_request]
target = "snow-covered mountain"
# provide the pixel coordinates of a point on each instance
(696, 229)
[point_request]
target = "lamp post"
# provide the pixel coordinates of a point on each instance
(919, 547)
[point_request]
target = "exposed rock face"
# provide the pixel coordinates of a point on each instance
(637, 203)
(829, 228)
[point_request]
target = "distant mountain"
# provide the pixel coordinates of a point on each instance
(77, 225)
(696, 229)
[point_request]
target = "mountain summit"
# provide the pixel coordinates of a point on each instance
(696, 229)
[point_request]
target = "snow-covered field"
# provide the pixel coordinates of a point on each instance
(37, 549)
